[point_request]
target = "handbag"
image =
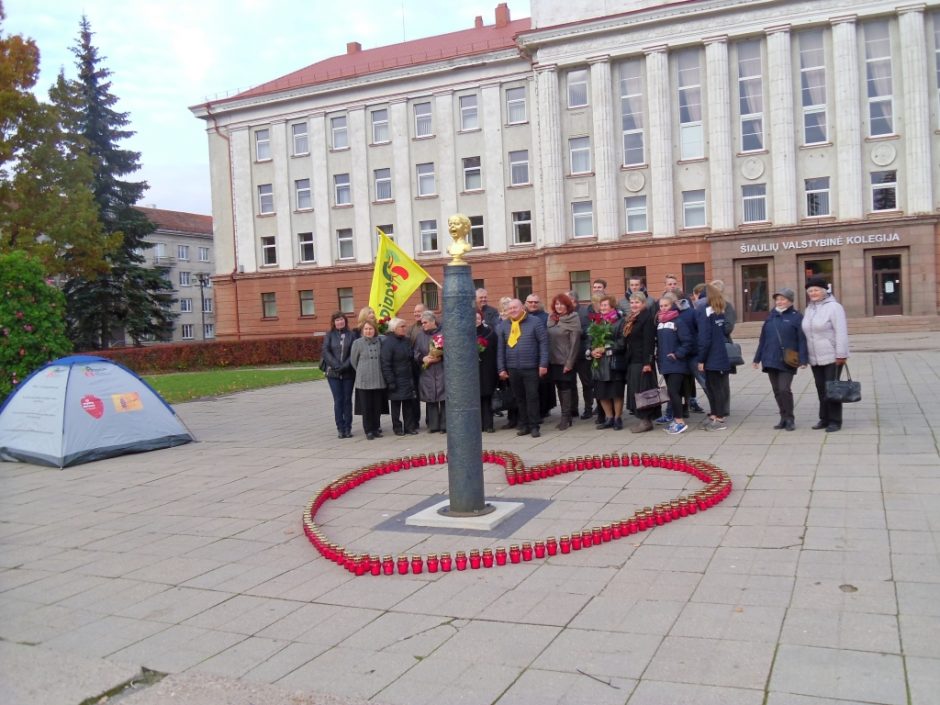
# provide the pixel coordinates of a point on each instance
(844, 391)
(791, 357)
(651, 398)
(734, 353)
(323, 366)
(502, 399)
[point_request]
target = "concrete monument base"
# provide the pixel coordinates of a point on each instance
(486, 522)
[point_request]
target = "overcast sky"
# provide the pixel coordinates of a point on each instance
(167, 55)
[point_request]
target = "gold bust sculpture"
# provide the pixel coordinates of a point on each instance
(459, 227)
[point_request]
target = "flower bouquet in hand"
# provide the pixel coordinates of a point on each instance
(436, 348)
(482, 345)
(601, 331)
(381, 326)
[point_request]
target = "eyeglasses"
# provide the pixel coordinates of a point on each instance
(530, 301)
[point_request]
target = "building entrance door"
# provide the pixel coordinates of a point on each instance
(886, 285)
(755, 287)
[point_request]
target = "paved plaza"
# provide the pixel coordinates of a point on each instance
(185, 572)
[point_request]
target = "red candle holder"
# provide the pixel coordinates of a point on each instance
(487, 558)
(596, 461)
(417, 564)
(527, 551)
(579, 463)
(615, 460)
(460, 560)
(551, 546)
(511, 478)
(607, 533)
(361, 564)
(576, 541)
(540, 549)
(606, 461)
(475, 559)
(587, 538)
(515, 554)
(375, 565)
(564, 544)
(388, 565)
(645, 460)
(441, 457)
(402, 565)
(500, 555)
(617, 529)
(432, 562)
(446, 562)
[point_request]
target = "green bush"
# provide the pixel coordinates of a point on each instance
(189, 357)
(32, 320)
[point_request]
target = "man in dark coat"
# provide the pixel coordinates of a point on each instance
(490, 315)
(398, 370)
(522, 358)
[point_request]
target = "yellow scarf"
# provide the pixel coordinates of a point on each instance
(515, 331)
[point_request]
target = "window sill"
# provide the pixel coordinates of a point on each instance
(342, 206)
(269, 318)
(695, 230)
(306, 263)
(429, 253)
(380, 144)
(427, 197)
(308, 316)
(304, 210)
(756, 224)
(339, 149)
(516, 124)
(578, 107)
(692, 160)
(346, 260)
(814, 219)
(469, 130)
(266, 215)
(887, 213)
(752, 153)
(264, 161)
(634, 167)
(300, 154)
(579, 174)
(882, 138)
(268, 266)
(418, 138)
(382, 201)
(472, 191)
(522, 244)
(519, 186)
(815, 145)
(638, 233)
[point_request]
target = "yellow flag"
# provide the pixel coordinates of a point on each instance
(395, 278)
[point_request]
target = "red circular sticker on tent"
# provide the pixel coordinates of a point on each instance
(93, 405)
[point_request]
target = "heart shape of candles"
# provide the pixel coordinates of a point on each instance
(717, 487)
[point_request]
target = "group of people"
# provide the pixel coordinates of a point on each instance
(532, 359)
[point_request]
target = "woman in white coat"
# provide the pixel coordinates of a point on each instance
(827, 341)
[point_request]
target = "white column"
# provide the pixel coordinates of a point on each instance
(845, 105)
(363, 236)
(399, 119)
(549, 227)
(244, 189)
(662, 212)
(917, 137)
(779, 115)
(606, 205)
(494, 181)
(283, 194)
(445, 170)
(720, 162)
(324, 237)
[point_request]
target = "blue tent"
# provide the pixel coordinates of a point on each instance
(83, 408)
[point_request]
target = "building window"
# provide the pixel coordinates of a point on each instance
(380, 126)
(817, 196)
(207, 304)
(342, 190)
(577, 88)
(582, 215)
(340, 135)
(693, 274)
(426, 185)
(182, 253)
(186, 305)
(429, 296)
(522, 228)
(306, 247)
(884, 190)
(269, 305)
(579, 154)
(185, 279)
(265, 199)
(302, 194)
(693, 209)
(307, 307)
(423, 126)
(186, 331)
(299, 136)
(755, 203)
(631, 112)
(521, 287)
(469, 117)
(159, 250)
(476, 231)
(751, 97)
(208, 331)
(268, 250)
(344, 297)
(691, 135)
(515, 105)
(262, 145)
(472, 174)
(344, 243)
(635, 207)
(203, 254)
(383, 184)
(519, 167)
(878, 72)
(388, 229)
(580, 283)
(428, 231)
(813, 86)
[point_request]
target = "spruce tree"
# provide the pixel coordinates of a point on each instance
(129, 297)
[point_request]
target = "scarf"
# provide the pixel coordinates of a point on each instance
(668, 315)
(631, 321)
(515, 330)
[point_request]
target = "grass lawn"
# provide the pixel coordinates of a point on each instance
(185, 386)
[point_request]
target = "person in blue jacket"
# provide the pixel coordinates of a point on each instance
(782, 330)
(713, 358)
(675, 345)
